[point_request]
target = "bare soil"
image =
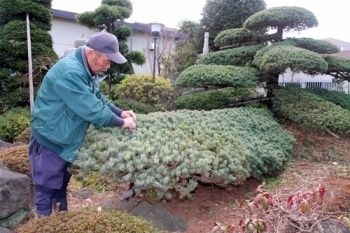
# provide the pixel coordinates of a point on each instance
(319, 159)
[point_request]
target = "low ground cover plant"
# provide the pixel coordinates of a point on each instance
(177, 150)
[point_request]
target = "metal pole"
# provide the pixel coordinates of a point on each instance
(154, 58)
(30, 66)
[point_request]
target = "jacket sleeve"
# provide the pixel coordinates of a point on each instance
(79, 97)
(117, 111)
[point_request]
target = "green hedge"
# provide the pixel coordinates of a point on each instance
(13, 123)
(309, 111)
(214, 99)
(339, 98)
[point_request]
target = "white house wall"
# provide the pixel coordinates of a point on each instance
(302, 78)
(139, 42)
(290, 76)
(64, 32)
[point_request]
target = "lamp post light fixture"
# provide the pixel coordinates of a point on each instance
(155, 29)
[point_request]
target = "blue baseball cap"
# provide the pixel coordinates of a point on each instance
(108, 44)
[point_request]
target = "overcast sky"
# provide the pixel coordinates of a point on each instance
(332, 15)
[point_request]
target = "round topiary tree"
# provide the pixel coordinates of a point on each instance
(268, 55)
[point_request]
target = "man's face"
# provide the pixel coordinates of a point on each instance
(98, 62)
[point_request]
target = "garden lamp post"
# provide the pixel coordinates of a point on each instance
(155, 29)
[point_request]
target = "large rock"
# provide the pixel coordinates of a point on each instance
(14, 192)
(4, 230)
(4, 145)
(156, 214)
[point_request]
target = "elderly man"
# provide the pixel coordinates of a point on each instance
(69, 100)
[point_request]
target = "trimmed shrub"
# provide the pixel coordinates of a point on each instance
(308, 111)
(13, 122)
(214, 99)
(16, 159)
(137, 107)
(141, 88)
(90, 220)
(339, 98)
(23, 136)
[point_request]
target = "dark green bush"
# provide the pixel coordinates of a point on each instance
(310, 112)
(336, 97)
(23, 136)
(214, 99)
(137, 107)
(13, 122)
(90, 220)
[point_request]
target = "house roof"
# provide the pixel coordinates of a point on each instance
(343, 45)
(140, 27)
(64, 14)
(345, 54)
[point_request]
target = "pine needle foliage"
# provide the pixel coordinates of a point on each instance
(339, 98)
(310, 111)
(176, 150)
(213, 99)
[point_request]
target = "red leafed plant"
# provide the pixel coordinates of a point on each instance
(273, 213)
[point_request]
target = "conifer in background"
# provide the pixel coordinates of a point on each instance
(14, 88)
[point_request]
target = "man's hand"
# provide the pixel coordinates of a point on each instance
(129, 123)
(129, 113)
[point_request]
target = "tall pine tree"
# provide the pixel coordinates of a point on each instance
(219, 15)
(14, 89)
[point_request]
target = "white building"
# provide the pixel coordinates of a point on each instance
(324, 81)
(65, 30)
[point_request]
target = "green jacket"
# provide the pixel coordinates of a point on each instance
(69, 100)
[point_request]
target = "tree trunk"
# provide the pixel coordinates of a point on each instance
(271, 85)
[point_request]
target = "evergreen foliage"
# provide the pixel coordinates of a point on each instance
(12, 93)
(185, 53)
(141, 88)
(213, 99)
(91, 220)
(266, 56)
(233, 36)
(14, 49)
(240, 56)
(17, 160)
(338, 67)
(309, 111)
(288, 18)
(176, 150)
(339, 98)
(24, 136)
(220, 15)
(317, 46)
(251, 45)
(217, 75)
(137, 107)
(13, 122)
(278, 58)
